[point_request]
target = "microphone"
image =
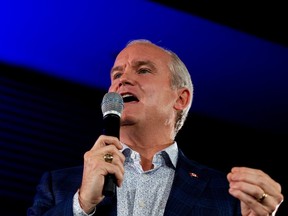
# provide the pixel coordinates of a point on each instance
(112, 106)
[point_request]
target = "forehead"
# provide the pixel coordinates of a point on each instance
(143, 52)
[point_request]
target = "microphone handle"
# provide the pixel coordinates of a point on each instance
(109, 188)
(111, 128)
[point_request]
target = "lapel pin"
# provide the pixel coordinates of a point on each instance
(193, 175)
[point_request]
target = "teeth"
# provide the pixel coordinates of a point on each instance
(126, 95)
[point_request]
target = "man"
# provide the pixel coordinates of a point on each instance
(153, 176)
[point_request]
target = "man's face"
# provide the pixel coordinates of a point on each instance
(141, 75)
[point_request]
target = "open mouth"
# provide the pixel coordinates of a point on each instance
(129, 98)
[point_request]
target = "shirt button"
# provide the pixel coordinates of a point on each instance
(141, 204)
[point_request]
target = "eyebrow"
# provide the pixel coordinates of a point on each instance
(135, 64)
(145, 63)
(117, 68)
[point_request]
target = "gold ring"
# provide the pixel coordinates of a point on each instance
(264, 195)
(108, 157)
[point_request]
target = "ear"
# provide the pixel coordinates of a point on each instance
(184, 96)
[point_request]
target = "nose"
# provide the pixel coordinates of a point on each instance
(125, 79)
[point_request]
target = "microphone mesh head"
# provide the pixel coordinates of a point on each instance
(112, 103)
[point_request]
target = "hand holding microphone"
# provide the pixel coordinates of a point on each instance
(97, 158)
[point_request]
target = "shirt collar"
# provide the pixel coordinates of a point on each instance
(170, 154)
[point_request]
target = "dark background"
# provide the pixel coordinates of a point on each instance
(55, 59)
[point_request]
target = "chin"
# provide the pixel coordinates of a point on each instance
(126, 121)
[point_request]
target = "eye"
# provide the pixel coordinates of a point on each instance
(116, 75)
(143, 70)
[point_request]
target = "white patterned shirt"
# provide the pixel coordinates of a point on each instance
(143, 193)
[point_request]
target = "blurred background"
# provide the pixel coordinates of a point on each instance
(55, 58)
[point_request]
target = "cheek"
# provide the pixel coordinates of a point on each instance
(165, 103)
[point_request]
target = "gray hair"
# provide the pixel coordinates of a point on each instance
(180, 77)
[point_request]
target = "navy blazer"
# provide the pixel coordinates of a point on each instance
(197, 190)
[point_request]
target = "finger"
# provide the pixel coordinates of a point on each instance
(111, 149)
(248, 191)
(256, 177)
(249, 203)
(94, 159)
(95, 167)
(104, 140)
(117, 170)
(117, 159)
(255, 188)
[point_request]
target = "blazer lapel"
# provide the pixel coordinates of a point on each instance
(186, 189)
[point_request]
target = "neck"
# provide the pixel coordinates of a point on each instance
(146, 145)
(147, 154)
(146, 141)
